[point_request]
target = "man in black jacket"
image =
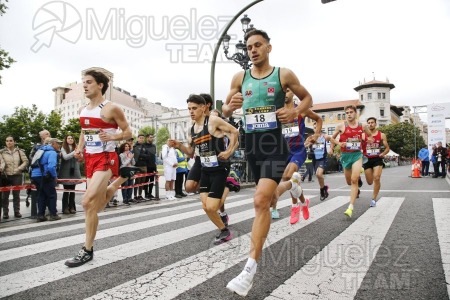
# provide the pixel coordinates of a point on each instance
(151, 167)
(440, 153)
(141, 156)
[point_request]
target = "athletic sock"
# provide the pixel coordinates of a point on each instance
(250, 266)
(350, 206)
(222, 214)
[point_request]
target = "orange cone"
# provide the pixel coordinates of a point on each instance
(416, 167)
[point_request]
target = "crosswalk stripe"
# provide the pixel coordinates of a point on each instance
(23, 251)
(441, 208)
(338, 270)
(147, 213)
(172, 280)
(23, 280)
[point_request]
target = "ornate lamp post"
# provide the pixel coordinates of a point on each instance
(240, 56)
(216, 50)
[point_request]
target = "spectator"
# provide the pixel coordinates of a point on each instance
(309, 164)
(169, 157)
(126, 160)
(44, 177)
(14, 163)
(338, 158)
(181, 174)
(424, 156)
(151, 167)
(70, 169)
(441, 154)
(434, 161)
(141, 156)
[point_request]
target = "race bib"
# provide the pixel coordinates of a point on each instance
(209, 159)
(373, 152)
(290, 130)
(318, 146)
(92, 138)
(260, 118)
(353, 144)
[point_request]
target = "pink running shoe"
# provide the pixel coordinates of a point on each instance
(295, 214)
(305, 209)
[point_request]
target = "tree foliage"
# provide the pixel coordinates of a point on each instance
(403, 138)
(5, 60)
(72, 128)
(146, 130)
(26, 123)
(161, 137)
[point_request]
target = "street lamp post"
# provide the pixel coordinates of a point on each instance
(240, 56)
(222, 36)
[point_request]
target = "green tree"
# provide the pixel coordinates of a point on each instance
(5, 60)
(25, 123)
(146, 130)
(72, 128)
(403, 138)
(161, 137)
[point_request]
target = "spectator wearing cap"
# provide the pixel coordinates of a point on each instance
(44, 177)
(13, 163)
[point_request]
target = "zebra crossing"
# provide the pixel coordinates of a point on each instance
(166, 251)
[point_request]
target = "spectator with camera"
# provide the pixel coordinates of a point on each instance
(44, 177)
(69, 169)
(14, 163)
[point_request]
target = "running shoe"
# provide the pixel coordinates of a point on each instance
(373, 203)
(296, 189)
(128, 172)
(305, 209)
(349, 212)
(82, 257)
(223, 236)
(325, 188)
(225, 219)
(275, 214)
(295, 214)
(241, 284)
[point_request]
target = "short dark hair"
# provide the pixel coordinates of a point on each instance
(141, 134)
(208, 99)
(255, 31)
(197, 99)
(150, 135)
(99, 78)
(351, 106)
(371, 118)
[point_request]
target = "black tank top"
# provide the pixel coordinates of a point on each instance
(208, 147)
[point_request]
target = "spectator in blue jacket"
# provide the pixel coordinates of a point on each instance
(44, 177)
(424, 156)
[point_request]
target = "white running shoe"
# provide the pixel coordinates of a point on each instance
(296, 189)
(241, 284)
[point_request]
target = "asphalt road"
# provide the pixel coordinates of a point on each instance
(163, 249)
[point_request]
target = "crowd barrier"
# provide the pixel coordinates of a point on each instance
(33, 193)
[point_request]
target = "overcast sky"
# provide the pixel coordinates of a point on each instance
(331, 47)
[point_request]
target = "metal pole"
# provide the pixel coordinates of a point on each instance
(216, 49)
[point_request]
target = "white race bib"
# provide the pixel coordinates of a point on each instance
(373, 152)
(290, 130)
(260, 118)
(353, 144)
(209, 159)
(92, 138)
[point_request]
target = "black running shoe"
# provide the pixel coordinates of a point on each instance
(223, 236)
(325, 189)
(225, 219)
(82, 257)
(128, 172)
(360, 183)
(322, 194)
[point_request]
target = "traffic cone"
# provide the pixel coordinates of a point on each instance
(416, 166)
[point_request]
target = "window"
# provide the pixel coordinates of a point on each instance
(362, 97)
(379, 95)
(382, 112)
(369, 96)
(343, 116)
(339, 116)
(384, 95)
(323, 117)
(331, 130)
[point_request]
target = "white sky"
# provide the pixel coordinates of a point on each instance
(331, 47)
